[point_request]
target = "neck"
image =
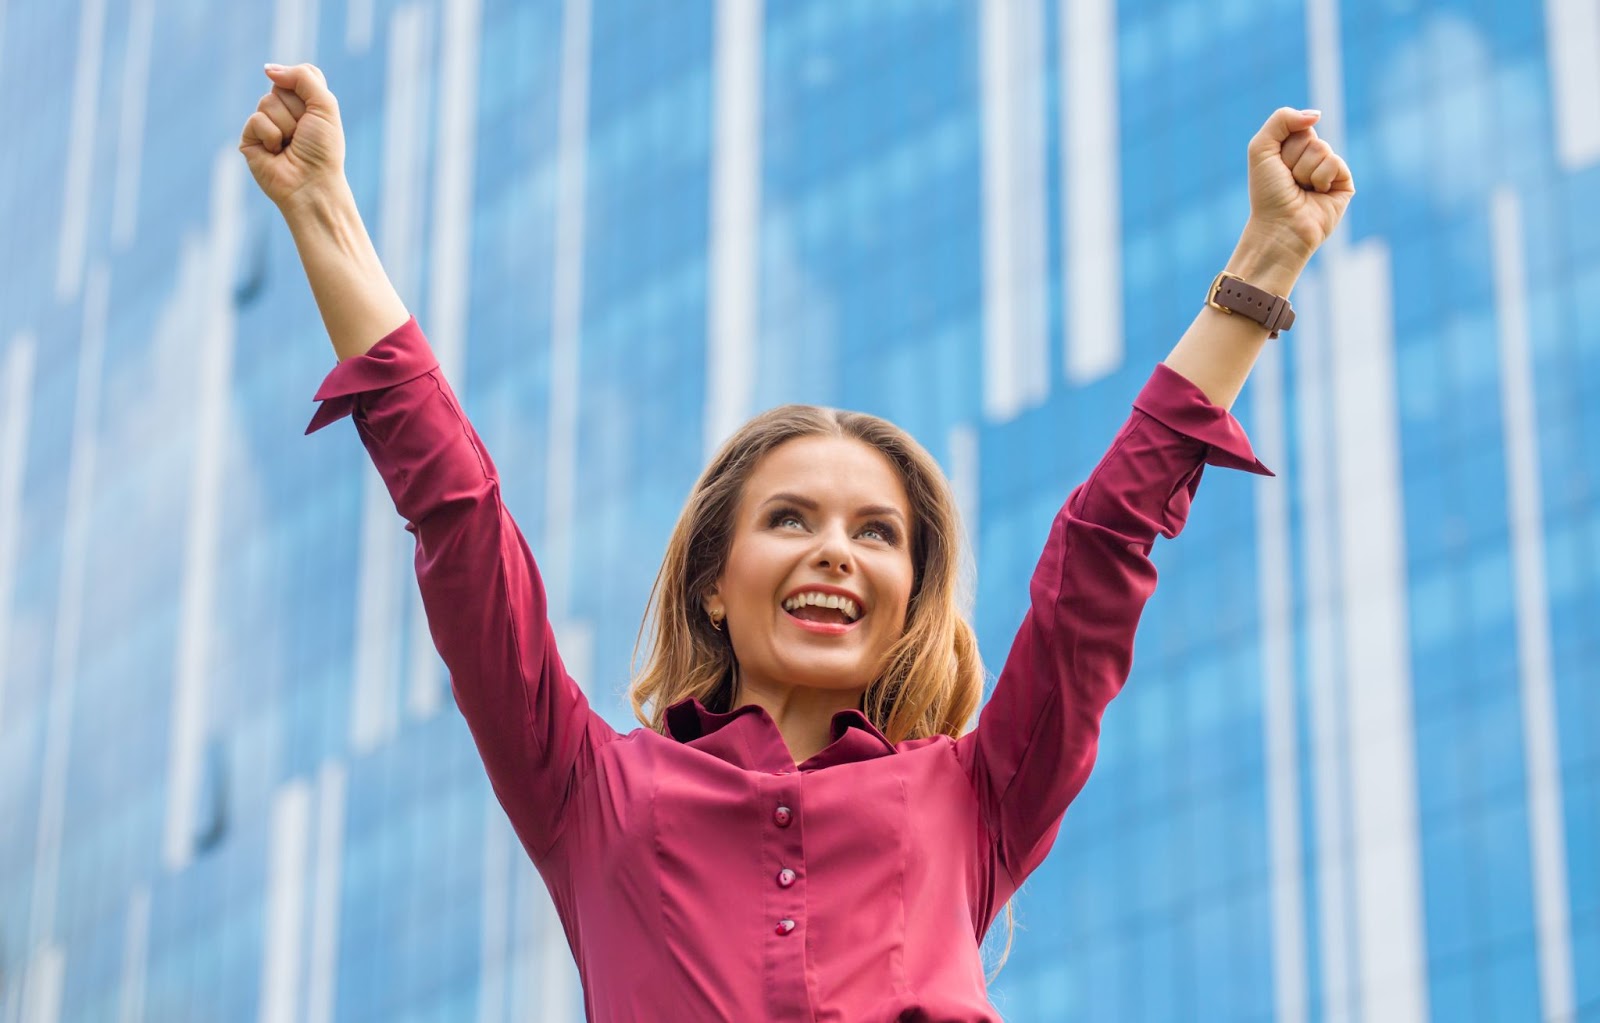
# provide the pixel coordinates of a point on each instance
(803, 714)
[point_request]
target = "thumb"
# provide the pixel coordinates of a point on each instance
(304, 80)
(1285, 121)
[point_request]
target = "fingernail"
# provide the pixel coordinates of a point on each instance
(1311, 113)
(274, 67)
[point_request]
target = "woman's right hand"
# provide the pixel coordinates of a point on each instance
(294, 142)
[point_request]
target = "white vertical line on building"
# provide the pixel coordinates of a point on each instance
(494, 916)
(566, 316)
(1323, 681)
(197, 598)
(543, 976)
(1325, 70)
(400, 202)
(1390, 951)
(1572, 38)
(1381, 733)
(378, 603)
(1540, 739)
(74, 236)
(385, 551)
(1091, 183)
(735, 218)
(15, 416)
(1016, 358)
(284, 918)
(294, 31)
(358, 26)
(42, 985)
(41, 997)
(557, 973)
(130, 122)
(447, 285)
(1276, 589)
(327, 879)
(135, 957)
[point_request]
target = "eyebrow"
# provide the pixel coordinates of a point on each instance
(810, 505)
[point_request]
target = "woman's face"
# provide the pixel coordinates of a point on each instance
(822, 516)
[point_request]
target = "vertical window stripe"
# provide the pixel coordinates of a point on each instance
(197, 596)
(494, 915)
(294, 31)
(283, 937)
(1373, 599)
(135, 956)
(1016, 364)
(735, 218)
(1546, 822)
(1091, 188)
(69, 611)
(327, 881)
(1572, 35)
(358, 26)
(130, 122)
(386, 552)
(16, 412)
(447, 284)
(1275, 585)
(74, 236)
(566, 316)
(1323, 682)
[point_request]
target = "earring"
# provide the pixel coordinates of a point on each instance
(716, 620)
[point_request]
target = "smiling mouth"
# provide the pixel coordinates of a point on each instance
(836, 626)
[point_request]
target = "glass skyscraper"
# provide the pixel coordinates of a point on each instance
(1355, 775)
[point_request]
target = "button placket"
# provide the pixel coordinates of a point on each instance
(786, 844)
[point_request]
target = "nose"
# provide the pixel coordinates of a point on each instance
(833, 549)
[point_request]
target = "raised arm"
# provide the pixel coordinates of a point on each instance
(480, 587)
(1037, 736)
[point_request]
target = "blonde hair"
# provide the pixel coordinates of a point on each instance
(931, 679)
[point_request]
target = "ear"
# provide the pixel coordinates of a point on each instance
(709, 599)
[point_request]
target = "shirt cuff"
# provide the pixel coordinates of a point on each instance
(402, 354)
(1172, 400)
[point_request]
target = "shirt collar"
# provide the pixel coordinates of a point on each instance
(748, 737)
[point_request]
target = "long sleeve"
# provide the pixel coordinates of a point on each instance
(1036, 738)
(481, 590)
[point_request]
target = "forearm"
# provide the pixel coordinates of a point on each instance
(359, 305)
(1218, 350)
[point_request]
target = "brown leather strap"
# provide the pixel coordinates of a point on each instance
(1232, 294)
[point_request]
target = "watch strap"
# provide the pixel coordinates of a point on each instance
(1233, 294)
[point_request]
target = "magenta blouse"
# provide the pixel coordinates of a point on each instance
(701, 874)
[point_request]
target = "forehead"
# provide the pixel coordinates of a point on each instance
(824, 468)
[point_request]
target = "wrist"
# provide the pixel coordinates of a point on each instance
(326, 209)
(1269, 260)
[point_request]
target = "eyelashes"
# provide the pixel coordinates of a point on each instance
(886, 530)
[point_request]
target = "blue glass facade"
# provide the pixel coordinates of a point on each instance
(1356, 772)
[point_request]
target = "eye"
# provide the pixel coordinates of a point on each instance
(885, 532)
(784, 516)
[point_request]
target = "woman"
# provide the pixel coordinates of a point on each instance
(802, 831)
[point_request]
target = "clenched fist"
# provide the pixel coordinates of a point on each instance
(1299, 187)
(294, 142)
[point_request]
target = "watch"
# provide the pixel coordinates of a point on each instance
(1231, 294)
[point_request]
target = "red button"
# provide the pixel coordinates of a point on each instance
(785, 877)
(785, 926)
(783, 815)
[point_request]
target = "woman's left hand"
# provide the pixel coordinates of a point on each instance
(1299, 187)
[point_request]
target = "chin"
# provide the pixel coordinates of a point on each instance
(843, 673)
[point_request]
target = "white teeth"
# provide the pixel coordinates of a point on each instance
(844, 604)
